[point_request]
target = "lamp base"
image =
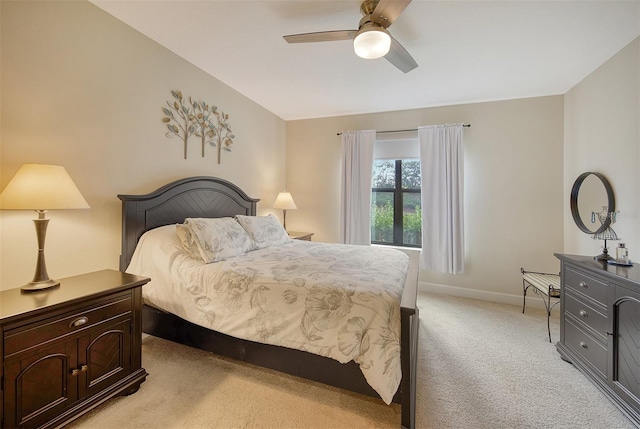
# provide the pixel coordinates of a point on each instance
(38, 286)
(604, 256)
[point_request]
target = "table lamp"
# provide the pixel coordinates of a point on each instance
(605, 218)
(607, 234)
(41, 187)
(284, 201)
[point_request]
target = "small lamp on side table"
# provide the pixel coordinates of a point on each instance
(284, 202)
(41, 187)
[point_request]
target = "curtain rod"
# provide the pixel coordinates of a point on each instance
(404, 131)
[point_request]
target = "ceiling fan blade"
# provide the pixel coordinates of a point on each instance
(322, 36)
(399, 57)
(388, 11)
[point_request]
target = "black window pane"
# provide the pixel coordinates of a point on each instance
(384, 173)
(382, 217)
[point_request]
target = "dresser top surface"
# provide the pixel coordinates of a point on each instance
(14, 302)
(614, 272)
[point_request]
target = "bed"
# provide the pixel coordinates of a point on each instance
(209, 197)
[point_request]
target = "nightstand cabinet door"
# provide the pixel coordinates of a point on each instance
(107, 354)
(38, 386)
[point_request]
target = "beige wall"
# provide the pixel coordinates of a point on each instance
(83, 90)
(513, 186)
(602, 133)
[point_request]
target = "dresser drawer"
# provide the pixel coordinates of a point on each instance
(583, 283)
(36, 334)
(590, 350)
(586, 314)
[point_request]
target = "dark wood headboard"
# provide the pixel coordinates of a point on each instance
(200, 196)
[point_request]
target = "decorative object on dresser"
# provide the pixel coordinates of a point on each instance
(592, 200)
(66, 350)
(599, 327)
(284, 202)
(154, 214)
(622, 256)
(300, 235)
(605, 216)
(41, 187)
(544, 284)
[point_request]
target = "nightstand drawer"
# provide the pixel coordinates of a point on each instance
(586, 314)
(36, 334)
(592, 353)
(585, 284)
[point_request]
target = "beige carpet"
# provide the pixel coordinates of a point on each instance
(482, 365)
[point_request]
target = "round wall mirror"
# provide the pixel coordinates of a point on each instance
(591, 193)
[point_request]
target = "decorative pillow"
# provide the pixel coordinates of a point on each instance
(264, 230)
(213, 240)
(189, 244)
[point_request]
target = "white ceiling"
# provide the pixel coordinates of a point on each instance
(467, 51)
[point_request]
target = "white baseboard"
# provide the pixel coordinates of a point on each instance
(533, 300)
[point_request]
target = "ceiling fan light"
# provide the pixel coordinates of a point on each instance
(371, 43)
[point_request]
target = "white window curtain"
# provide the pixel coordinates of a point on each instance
(357, 168)
(442, 165)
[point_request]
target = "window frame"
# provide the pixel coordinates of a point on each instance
(398, 208)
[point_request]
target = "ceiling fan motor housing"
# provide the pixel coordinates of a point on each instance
(368, 6)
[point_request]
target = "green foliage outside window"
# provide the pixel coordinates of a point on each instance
(412, 232)
(382, 224)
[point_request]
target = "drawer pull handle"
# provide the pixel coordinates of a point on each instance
(583, 344)
(78, 322)
(583, 313)
(77, 371)
(583, 284)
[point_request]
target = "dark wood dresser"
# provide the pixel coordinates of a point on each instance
(66, 350)
(600, 327)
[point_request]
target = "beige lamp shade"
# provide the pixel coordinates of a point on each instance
(284, 201)
(41, 187)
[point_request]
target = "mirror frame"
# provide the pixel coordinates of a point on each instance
(574, 202)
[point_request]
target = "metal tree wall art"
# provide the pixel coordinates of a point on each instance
(186, 118)
(181, 123)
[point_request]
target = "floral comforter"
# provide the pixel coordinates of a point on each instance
(334, 300)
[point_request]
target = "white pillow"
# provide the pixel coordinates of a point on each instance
(213, 239)
(264, 230)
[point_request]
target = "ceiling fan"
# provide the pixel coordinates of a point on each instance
(371, 39)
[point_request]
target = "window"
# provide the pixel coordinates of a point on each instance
(396, 208)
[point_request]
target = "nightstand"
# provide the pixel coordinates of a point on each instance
(297, 235)
(66, 350)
